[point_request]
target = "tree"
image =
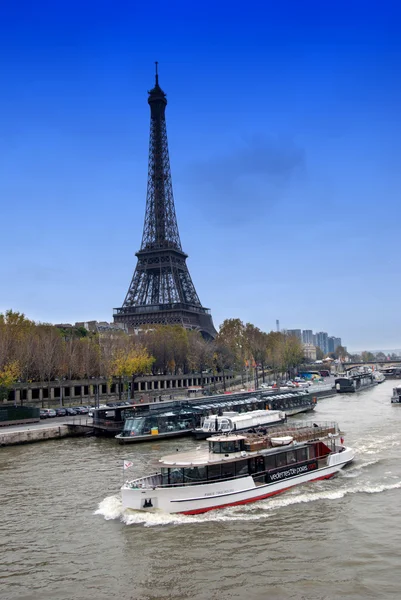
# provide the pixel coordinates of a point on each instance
(223, 359)
(292, 353)
(340, 352)
(200, 354)
(255, 342)
(8, 376)
(231, 334)
(273, 351)
(367, 356)
(131, 362)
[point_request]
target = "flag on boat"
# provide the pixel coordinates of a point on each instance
(127, 464)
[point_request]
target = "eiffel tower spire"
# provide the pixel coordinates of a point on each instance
(161, 290)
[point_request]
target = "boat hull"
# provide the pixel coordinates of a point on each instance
(202, 498)
(351, 389)
(132, 439)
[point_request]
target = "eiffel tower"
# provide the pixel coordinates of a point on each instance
(161, 290)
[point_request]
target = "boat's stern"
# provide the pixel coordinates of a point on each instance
(343, 457)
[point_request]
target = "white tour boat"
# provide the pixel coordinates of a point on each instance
(237, 469)
(233, 421)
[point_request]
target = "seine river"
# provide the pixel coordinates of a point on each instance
(63, 534)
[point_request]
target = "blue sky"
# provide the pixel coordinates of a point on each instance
(285, 147)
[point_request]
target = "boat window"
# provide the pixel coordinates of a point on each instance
(134, 425)
(291, 457)
(226, 447)
(312, 452)
(259, 463)
(194, 474)
(225, 425)
(148, 423)
(241, 468)
(302, 454)
(214, 471)
(281, 459)
(227, 470)
(176, 475)
(270, 462)
(164, 473)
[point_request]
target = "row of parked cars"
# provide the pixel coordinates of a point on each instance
(48, 413)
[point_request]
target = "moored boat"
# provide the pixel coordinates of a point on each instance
(238, 469)
(354, 382)
(235, 422)
(396, 397)
(291, 403)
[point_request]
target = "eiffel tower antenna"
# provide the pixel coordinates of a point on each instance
(161, 290)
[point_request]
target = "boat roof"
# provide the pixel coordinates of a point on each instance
(245, 416)
(226, 438)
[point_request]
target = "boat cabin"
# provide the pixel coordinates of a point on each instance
(229, 457)
(158, 423)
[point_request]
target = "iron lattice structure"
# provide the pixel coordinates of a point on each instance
(161, 290)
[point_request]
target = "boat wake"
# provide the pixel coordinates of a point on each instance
(111, 507)
(299, 497)
(378, 445)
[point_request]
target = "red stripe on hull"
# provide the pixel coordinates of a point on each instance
(263, 497)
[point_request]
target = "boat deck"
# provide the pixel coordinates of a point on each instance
(299, 433)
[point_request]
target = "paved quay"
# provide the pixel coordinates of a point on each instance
(37, 432)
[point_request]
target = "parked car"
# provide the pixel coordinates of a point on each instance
(61, 412)
(71, 412)
(47, 412)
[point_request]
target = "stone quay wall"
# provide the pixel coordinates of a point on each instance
(89, 391)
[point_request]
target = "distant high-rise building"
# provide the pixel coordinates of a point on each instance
(322, 341)
(277, 325)
(330, 343)
(296, 333)
(307, 336)
(336, 343)
(314, 339)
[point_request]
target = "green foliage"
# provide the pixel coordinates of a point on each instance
(367, 356)
(9, 374)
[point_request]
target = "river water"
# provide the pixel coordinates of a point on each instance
(63, 534)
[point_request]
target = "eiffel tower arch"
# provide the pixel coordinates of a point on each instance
(161, 290)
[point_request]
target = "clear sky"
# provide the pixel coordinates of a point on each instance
(285, 148)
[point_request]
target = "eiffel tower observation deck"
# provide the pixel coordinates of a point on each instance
(161, 290)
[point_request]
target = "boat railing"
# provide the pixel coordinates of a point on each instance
(300, 431)
(150, 481)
